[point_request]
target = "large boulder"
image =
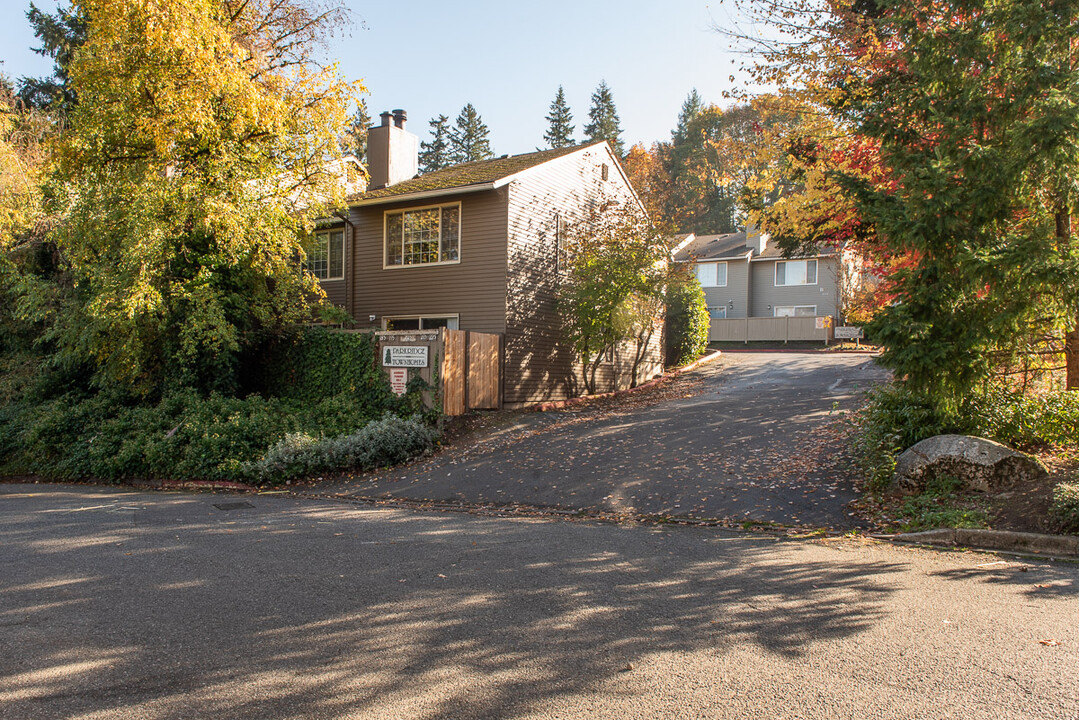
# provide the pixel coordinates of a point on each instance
(981, 464)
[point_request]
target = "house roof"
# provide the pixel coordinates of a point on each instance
(464, 177)
(713, 247)
(730, 245)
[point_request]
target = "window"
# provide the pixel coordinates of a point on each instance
(718, 313)
(326, 260)
(604, 171)
(421, 322)
(795, 311)
(796, 272)
(712, 274)
(425, 236)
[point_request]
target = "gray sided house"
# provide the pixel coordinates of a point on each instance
(473, 247)
(744, 275)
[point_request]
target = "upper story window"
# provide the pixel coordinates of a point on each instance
(326, 260)
(712, 274)
(796, 272)
(423, 236)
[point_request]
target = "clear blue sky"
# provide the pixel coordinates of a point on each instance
(507, 57)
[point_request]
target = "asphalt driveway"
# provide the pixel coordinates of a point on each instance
(752, 437)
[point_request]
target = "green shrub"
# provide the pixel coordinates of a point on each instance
(687, 321)
(1065, 507)
(1026, 420)
(315, 363)
(893, 419)
(184, 436)
(386, 441)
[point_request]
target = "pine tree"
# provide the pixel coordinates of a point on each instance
(61, 34)
(603, 119)
(690, 109)
(468, 137)
(434, 155)
(354, 141)
(560, 132)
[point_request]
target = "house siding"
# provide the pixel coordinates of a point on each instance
(736, 291)
(765, 295)
(474, 288)
(539, 364)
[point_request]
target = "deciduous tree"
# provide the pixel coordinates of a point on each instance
(196, 158)
(613, 293)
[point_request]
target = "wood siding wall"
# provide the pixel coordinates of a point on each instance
(475, 288)
(540, 365)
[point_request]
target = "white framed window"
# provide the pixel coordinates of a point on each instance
(794, 311)
(718, 313)
(712, 274)
(796, 272)
(422, 236)
(326, 260)
(421, 322)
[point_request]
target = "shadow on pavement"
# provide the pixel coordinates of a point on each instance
(165, 606)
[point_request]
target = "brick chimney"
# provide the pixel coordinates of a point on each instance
(392, 151)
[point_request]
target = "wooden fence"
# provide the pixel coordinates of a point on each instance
(469, 365)
(778, 329)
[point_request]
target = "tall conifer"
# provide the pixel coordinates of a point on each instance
(469, 137)
(560, 132)
(435, 154)
(603, 122)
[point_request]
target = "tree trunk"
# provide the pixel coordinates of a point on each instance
(1071, 356)
(1071, 339)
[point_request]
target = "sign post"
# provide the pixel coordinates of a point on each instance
(850, 332)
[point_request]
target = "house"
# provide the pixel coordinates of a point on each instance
(473, 247)
(744, 275)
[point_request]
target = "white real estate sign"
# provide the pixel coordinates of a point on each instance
(848, 333)
(404, 356)
(399, 380)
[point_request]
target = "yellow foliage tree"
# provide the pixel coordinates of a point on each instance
(198, 155)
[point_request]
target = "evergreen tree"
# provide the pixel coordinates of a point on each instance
(690, 109)
(60, 34)
(434, 155)
(468, 137)
(354, 141)
(603, 119)
(560, 132)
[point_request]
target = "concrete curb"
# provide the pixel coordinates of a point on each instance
(559, 404)
(1004, 540)
(812, 351)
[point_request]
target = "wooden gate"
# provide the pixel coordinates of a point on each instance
(484, 370)
(468, 365)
